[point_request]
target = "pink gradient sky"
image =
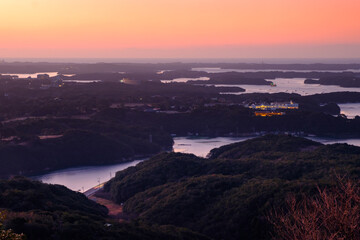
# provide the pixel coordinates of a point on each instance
(187, 28)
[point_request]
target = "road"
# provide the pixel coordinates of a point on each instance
(92, 191)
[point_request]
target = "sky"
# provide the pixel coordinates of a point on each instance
(184, 29)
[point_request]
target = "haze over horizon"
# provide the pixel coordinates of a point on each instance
(186, 29)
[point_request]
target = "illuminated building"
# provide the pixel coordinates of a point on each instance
(57, 82)
(130, 81)
(275, 106)
(268, 113)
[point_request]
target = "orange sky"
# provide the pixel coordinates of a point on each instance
(190, 28)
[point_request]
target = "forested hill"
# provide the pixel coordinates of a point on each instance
(45, 212)
(42, 145)
(181, 196)
(229, 195)
(268, 143)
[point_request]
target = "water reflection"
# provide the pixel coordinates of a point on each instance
(202, 146)
(82, 81)
(290, 85)
(350, 109)
(355, 142)
(33, 75)
(221, 70)
(84, 178)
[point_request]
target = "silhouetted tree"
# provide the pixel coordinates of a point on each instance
(8, 234)
(332, 214)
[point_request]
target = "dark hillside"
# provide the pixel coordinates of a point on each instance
(268, 143)
(229, 195)
(44, 212)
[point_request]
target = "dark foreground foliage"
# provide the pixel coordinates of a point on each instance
(330, 214)
(229, 195)
(43, 212)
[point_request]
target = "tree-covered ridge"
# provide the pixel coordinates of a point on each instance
(131, 120)
(228, 197)
(42, 212)
(163, 168)
(21, 194)
(343, 81)
(123, 134)
(49, 144)
(268, 143)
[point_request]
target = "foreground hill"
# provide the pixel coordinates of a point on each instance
(229, 195)
(44, 212)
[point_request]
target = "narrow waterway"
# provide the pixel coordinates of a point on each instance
(83, 178)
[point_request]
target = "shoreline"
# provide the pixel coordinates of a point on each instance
(90, 192)
(193, 136)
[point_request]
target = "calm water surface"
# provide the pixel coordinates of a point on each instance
(290, 85)
(83, 178)
(355, 142)
(33, 75)
(221, 70)
(202, 146)
(350, 109)
(82, 81)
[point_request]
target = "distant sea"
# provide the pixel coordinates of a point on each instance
(189, 60)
